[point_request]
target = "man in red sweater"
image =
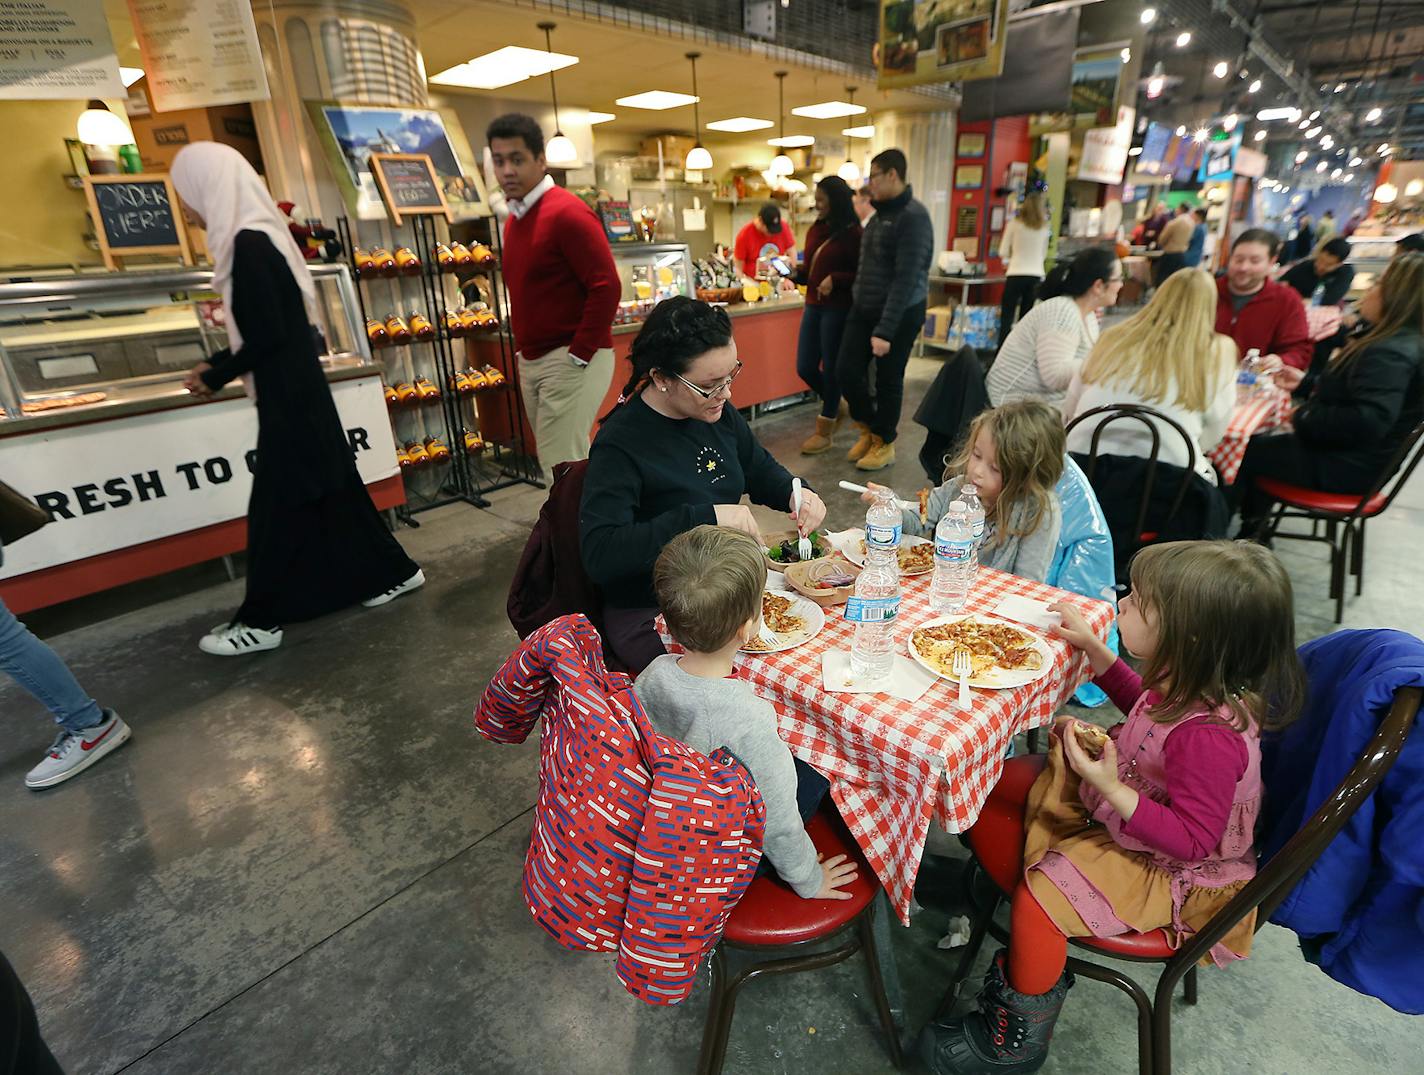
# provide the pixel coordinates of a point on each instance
(1259, 313)
(563, 293)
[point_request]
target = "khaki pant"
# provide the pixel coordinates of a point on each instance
(562, 400)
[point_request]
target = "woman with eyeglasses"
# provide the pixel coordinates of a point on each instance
(673, 454)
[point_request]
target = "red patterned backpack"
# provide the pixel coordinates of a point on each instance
(629, 822)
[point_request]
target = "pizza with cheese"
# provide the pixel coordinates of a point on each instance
(991, 646)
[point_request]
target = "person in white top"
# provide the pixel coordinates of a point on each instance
(1048, 346)
(1022, 249)
(1169, 357)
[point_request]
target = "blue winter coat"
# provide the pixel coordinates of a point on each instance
(1362, 903)
(1083, 563)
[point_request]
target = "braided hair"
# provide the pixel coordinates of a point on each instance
(676, 334)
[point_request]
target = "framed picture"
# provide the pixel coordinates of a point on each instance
(971, 144)
(969, 176)
(349, 134)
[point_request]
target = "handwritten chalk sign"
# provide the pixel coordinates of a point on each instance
(409, 185)
(136, 214)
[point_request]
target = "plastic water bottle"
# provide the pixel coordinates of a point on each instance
(1317, 297)
(1248, 377)
(876, 600)
(969, 493)
(953, 560)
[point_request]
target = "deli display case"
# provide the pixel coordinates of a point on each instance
(108, 341)
(650, 273)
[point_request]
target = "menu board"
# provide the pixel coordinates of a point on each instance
(1154, 148)
(56, 50)
(135, 214)
(199, 53)
(408, 185)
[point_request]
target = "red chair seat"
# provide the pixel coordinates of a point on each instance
(1150, 945)
(1297, 496)
(770, 913)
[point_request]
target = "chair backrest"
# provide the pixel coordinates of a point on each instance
(1274, 881)
(1413, 450)
(1149, 417)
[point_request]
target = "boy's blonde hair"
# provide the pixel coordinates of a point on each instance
(1029, 445)
(1225, 632)
(709, 582)
(1171, 342)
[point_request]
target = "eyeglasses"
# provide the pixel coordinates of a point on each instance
(719, 387)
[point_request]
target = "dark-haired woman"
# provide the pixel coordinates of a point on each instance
(1049, 345)
(832, 253)
(672, 455)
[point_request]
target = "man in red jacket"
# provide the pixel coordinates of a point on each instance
(563, 293)
(1259, 313)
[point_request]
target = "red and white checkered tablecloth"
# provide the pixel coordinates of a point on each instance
(893, 764)
(1269, 410)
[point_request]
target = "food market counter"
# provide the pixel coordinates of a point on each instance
(765, 333)
(138, 476)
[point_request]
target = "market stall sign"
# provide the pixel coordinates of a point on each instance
(136, 214)
(198, 53)
(924, 42)
(409, 185)
(57, 50)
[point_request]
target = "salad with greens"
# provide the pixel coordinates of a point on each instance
(786, 553)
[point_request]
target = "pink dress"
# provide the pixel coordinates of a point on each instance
(1094, 878)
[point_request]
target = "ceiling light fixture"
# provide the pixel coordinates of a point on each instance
(1339, 87)
(1327, 142)
(1315, 115)
(740, 125)
(1355, 162)
(1259, 136)
(1349, 177)
(1148, 15)
(503, 67)
(600, 117)
(1220, 69)
(698, 159)
(1268, 114)
(781, 163)
(1337, 173)
(1181, 132)
(849, 171)
(99, 127)
(1135, 151)
(1386, 193)
(867, 131)
(1184, 39)
(1255, 85)
(1229, 121)
(1314, 132)
(1300, 157)
(1373, 114)
(1157, 83)
(1126, 55)
(1303, 124)
(559, 149)
(1201, 135)
(1414, 187)
(829, 110)
(792, 141)
(655, 100)
(1385, 150)
(1321, 166)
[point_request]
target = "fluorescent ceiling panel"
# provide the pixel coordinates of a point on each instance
(503, 67)
(792, 141)
(600, 117)
(740, 125)
(828, 110)
(868, 131)
(657, 100)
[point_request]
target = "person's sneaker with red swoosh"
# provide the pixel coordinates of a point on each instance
(73, 752)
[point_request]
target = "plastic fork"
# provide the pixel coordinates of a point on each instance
(853, 488)
(962, 667)
(803, 546)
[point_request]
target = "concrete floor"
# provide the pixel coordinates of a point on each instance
(308, 861)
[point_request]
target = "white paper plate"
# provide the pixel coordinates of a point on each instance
(813, 619)
(995, 678)
(851, 549)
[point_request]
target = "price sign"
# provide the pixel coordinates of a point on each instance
(409, 185)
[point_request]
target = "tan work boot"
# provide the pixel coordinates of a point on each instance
(861, 446)
(880, 455)
(820, 440)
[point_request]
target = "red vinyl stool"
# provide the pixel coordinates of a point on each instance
(771, 918)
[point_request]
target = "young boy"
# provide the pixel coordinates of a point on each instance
(709, 583)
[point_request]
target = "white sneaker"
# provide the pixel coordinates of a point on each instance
(238, 640)
(73, 752)
(415, 582)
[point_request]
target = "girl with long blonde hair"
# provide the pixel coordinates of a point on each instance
(1167, 356)
(1349, 433)
(1023, 249)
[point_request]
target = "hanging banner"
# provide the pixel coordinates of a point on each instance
(198, 53)
(57, 50)
(940, 41)
(1105, 149)
(1219, 160)
(1095, 86)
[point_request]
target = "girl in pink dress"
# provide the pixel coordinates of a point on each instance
(1155, 831)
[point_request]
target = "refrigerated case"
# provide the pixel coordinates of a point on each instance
(651, 272)
(100, 341)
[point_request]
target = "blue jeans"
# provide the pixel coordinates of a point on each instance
(817, 348)
(40, 671)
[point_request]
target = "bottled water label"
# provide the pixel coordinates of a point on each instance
(872, 609)
(953, 553)
(880, 536)
(1246, 378)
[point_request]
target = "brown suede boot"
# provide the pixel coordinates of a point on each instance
(820, 441)
(861, 446)
(880, 455)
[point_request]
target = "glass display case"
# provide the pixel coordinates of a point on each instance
(102, 340)
(650, 273)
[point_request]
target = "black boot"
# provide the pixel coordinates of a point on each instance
(1007, 1033)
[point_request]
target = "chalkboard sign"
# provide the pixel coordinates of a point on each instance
(409, 185)
(136, 214)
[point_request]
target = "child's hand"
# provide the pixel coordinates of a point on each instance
(1072, 628)
(870, 490)
(836, 874)
(1100, 772)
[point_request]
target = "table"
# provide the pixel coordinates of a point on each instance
(893, 764)
(1271, 409)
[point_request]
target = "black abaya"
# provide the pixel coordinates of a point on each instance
(315, 542)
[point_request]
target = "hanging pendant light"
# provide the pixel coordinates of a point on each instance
(781, 164)
(559, 149)
(849, 171)
(100, 127)
(698, 159)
